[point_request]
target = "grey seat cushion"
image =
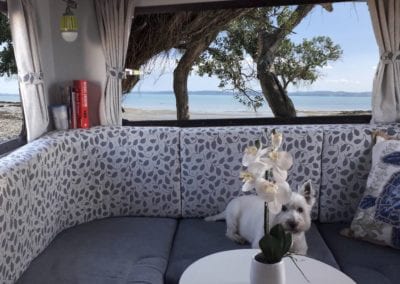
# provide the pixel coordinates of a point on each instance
(366, 263)
(113, 250)
(196, 238)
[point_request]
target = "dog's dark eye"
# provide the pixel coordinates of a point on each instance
(284, 208)
(300, 210)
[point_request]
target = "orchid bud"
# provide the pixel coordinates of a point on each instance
(276, 140)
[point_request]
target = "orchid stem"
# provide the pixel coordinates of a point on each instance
(266, 219)
(298, 267)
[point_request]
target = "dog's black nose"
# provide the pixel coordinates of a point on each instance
(292, 224)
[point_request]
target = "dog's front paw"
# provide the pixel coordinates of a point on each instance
(236, 238)
(300, 251)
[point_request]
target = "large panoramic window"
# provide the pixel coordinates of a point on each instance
(309, 60)
(10, 106)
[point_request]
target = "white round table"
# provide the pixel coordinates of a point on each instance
(233, 267)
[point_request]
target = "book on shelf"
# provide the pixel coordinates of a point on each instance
(78, 105)
(72, 109)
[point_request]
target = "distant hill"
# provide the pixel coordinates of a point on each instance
(331, 94)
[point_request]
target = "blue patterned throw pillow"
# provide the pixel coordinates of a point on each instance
(378, 215)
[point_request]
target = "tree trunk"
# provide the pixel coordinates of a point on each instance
(129, 83)
(276, 96)
(181, 74)
(273, 91)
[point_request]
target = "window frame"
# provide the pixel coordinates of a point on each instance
(303, 120)
(237, 4)
(12, 144)
(229, 4)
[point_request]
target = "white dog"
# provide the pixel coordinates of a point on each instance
(245, 218)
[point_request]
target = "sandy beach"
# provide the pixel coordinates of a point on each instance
(11, 116)
(10, 120)
(140, 114)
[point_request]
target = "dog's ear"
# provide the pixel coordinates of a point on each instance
(308, 192)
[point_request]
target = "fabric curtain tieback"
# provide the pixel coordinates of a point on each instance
(117, 73)
(31, 78)
(390, 57)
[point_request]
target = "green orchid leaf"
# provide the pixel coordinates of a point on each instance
(277, 231)
(271, 247)
(287, 242)
(275, 245)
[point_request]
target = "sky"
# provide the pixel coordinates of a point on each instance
(349, 25)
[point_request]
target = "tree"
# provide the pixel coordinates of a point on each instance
(255, 46)
(8, 65)
(182, 72)
(187, 34)
(299, 63)
(214, 22)
(159, 35)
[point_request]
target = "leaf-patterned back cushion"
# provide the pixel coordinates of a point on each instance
(211, 161)
(378, 215)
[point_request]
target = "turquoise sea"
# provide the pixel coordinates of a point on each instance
(217, 102)
(9, 98)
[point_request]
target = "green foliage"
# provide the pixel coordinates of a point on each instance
(8, 66)
(233, 55)
(299, 63)
(274, 245)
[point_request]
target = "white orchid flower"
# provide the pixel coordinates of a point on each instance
(275, 194)
(279, 162)
(266, 189)
(249, 181)
(253, 154)
(254, 171)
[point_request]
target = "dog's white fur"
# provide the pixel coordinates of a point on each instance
(245, 218)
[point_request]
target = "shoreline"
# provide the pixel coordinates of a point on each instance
(11, 116)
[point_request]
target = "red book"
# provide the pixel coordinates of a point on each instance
(82, 106)
(77, 108)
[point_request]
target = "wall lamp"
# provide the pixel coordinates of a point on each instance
(69, 22)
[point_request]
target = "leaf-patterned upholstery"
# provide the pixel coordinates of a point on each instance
(72, 177)
(211, 163)
(346, 162)
(69, 178)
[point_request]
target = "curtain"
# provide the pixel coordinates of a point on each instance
(23, 25)
(385, 15)
(114, 19)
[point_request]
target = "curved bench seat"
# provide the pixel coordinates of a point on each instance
(114, 250)
(68, 178)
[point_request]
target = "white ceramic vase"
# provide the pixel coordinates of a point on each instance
(262, 273)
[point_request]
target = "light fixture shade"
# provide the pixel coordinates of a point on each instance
(69, 27)
(69, 36)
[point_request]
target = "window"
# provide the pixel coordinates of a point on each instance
(11, 120)
(325, 64)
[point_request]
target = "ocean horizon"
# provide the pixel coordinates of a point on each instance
(222, 101)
